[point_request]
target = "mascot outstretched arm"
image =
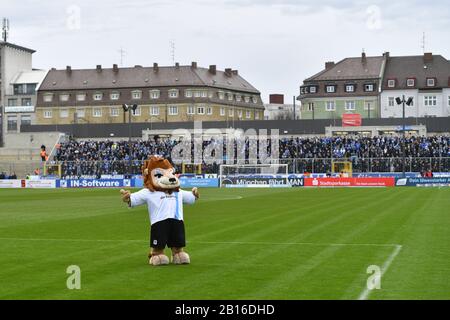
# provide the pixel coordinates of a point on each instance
(165, 201)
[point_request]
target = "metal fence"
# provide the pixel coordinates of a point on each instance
(97, 168)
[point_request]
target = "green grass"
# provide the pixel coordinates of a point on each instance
(244, 244)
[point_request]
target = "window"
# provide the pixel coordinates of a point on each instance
(81, 97)
(115, 96)
(248, 114)
(205, 94)
(25, 119)
(173, 110)
(80, 113)
(369, 88)
(410, 82)
(197, 94)
(173, 94)
(48, 114)
(256, 115)
(350, 88)
(310, 106)
(449, 101)
(312, 89)
(97, 112)
(188, 93)
(331, 89)
(12, 102)
(24, 88)
(230, 96)
(239, 114)
(430, 101)
(137, 112)
(431, 82)
(98, 96)
(114, 112)
(136, 95)
(391, 102)
(191, 110)
(26, 102)
(154, 111)
(350, 105)
(155, 94)
(392, 83)
(221, 95)
(209, 111)
(63, 113)
(247, 99)
(48, 97)
(222, 110)
(330, 106)
(12, 123)
(64, 97)
(238, 98)
(200, 110)
(231, 113)
(255, 99)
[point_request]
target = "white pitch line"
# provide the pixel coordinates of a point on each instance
(215, 242)
(366, 292)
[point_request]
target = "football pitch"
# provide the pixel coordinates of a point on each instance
(285, 244)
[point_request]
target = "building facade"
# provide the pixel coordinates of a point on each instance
(425, 78)
(17, 96)
(163, 94)
(351, 86)
(277, 109)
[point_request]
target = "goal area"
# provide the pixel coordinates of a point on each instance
(256, 176)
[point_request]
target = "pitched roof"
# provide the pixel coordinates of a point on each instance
(352, 68)
(402, 68)
(142, 77)
(15, 46)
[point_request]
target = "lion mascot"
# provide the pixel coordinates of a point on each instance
(165, 201)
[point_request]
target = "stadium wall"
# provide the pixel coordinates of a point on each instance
(286, 127)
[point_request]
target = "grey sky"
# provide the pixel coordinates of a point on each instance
(274, 43)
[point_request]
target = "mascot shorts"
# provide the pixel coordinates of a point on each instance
(168, 233)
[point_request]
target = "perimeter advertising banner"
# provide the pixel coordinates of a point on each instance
(39, 184)
(95, 183)
(10, 184)
(349, 182)
(423, 182)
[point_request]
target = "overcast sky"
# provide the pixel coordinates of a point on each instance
(275, 44)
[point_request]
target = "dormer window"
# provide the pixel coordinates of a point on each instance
(188, 93)
(411, 82)
(431, 82)
(238, 98)
(154, 94)
(81, 97)
(392, 83)
(247, 99)
(48, 97)
(136, 95)
(312, 89)
(97, 96)
(331, 89)
(115, 96)
(64, 97)
(230, 96)
(221, 95)
(255, 99)
(350, 88)
(369, 87)
(173, 93)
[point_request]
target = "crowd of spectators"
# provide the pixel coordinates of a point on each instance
(4, 176)
(378, 154)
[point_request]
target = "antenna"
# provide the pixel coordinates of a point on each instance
(122, 53)
(423, 46)
(172, 50)
(5, 29)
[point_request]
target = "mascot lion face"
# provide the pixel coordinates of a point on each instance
(159, 175)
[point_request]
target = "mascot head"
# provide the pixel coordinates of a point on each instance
(159, 175)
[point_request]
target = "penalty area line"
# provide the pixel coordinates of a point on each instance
(366, 292)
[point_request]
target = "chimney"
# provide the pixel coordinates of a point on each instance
(329, 65)
(213, 69)
(194, 65)
(228, 72)
(235, 72)
(276, 99)
(99, 68)
(428, 57)
(115, 68)
(69, 69)
(177, 65)
(449, 81)
(155, 67)
(387, 55)
(364, 58)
